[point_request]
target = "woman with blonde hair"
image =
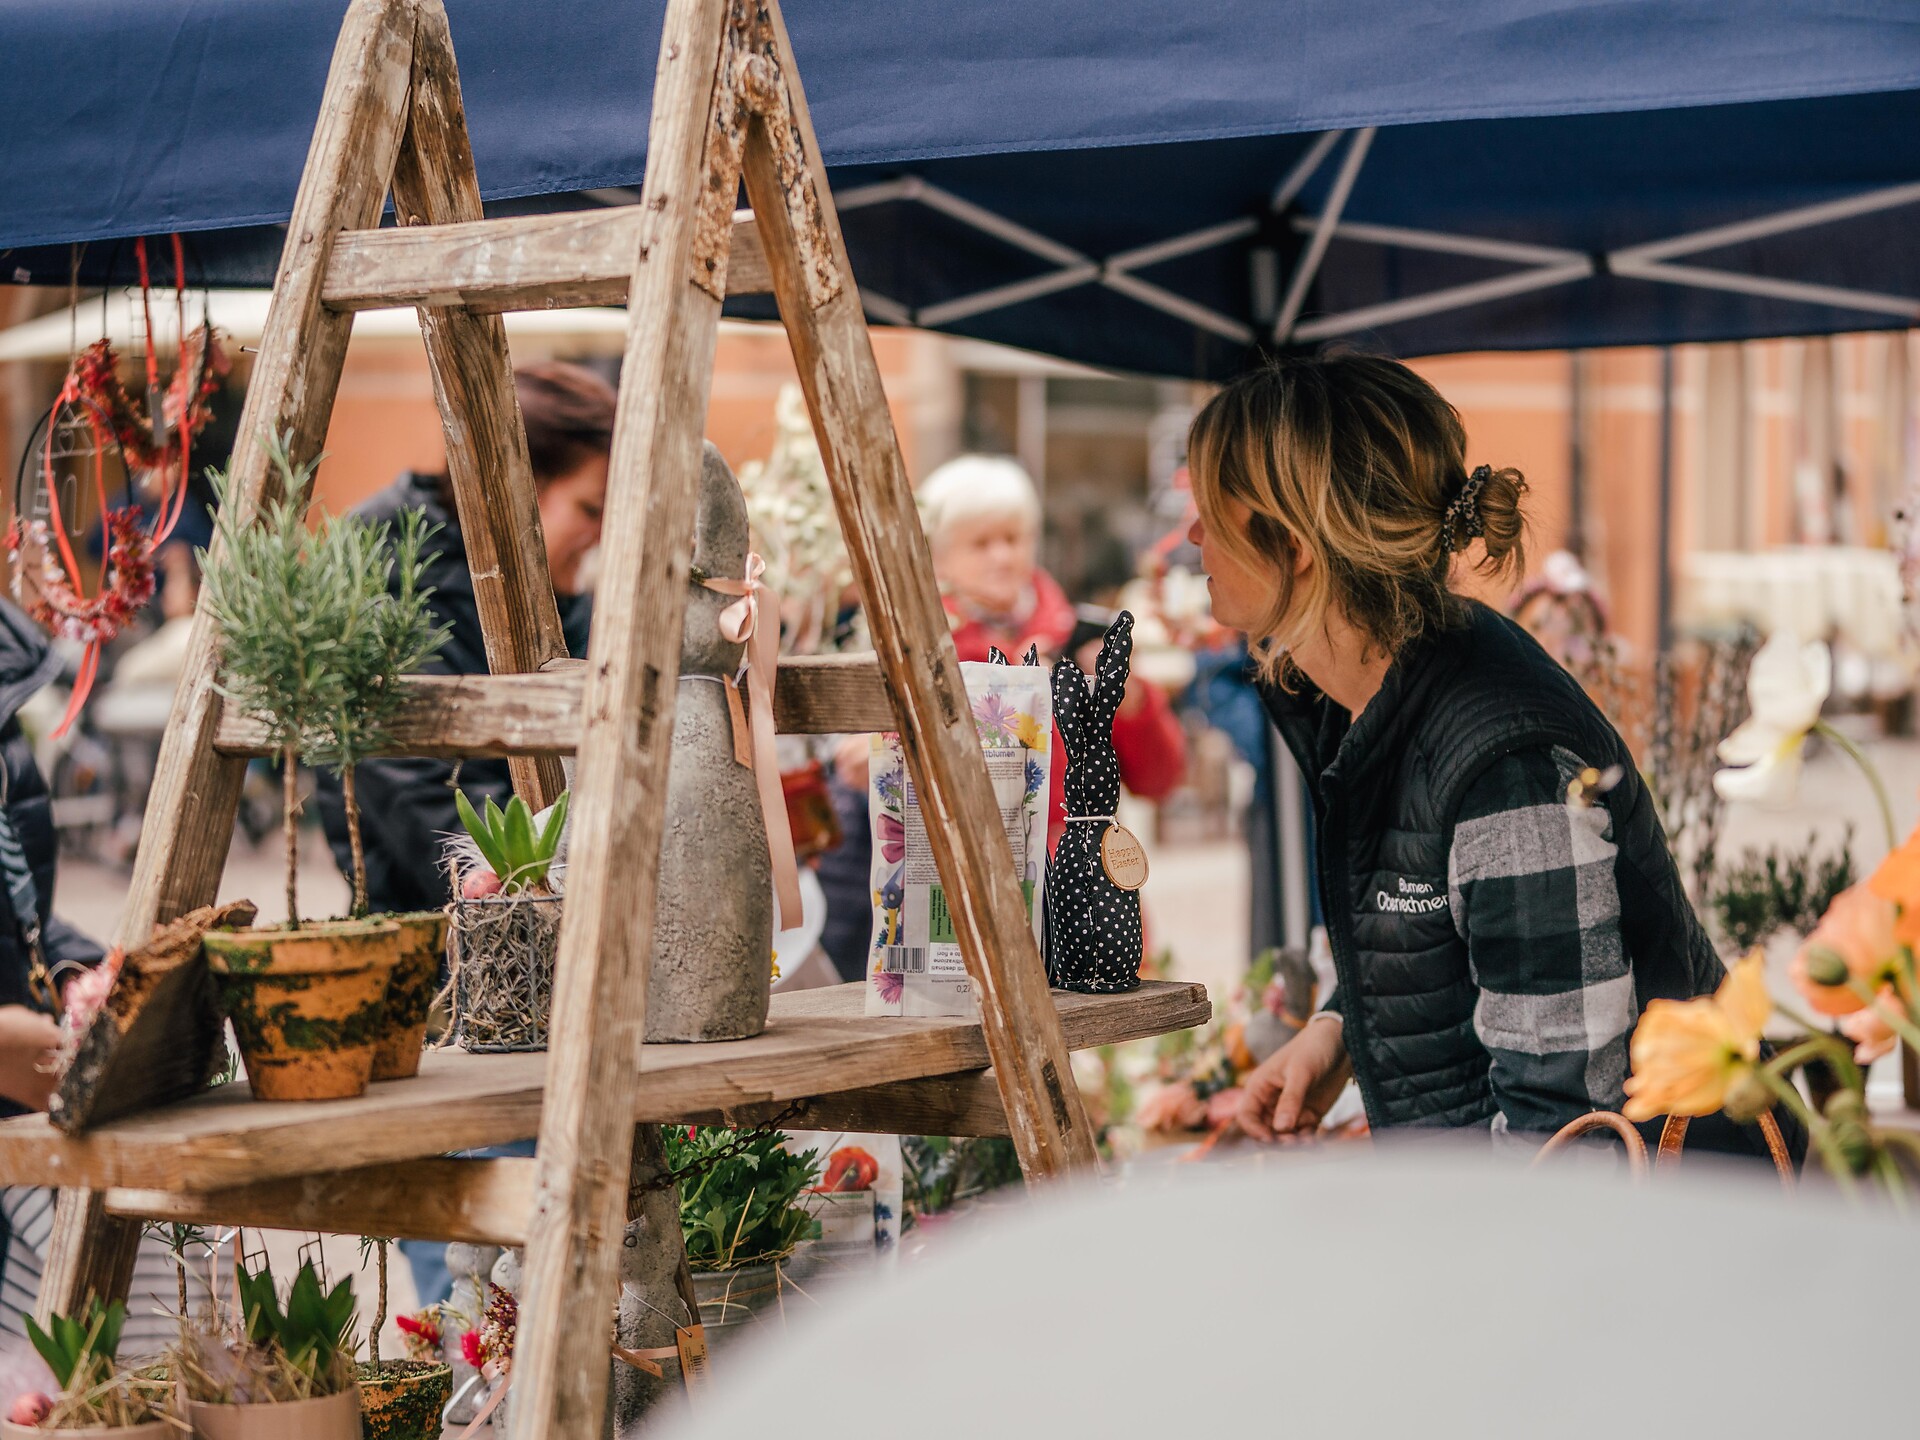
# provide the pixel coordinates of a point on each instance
(1498, 893)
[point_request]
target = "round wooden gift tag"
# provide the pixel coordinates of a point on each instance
(1123, 858)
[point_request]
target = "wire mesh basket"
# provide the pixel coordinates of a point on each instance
(501, 948)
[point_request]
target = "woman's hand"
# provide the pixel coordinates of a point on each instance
(28, 1041)
(1289, 1094)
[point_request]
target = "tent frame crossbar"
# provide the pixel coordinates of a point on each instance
(1546, 266)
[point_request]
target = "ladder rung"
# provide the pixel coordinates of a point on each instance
(459, 716)
(521, 262)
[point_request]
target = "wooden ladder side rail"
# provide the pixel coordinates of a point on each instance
(196, 790)
(571, 1262)
(434, 184)
(800, 232)
(515, 262)
(464, 716)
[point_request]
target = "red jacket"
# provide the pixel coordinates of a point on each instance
(1147, 738)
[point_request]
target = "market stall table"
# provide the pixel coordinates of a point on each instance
(459, 1101)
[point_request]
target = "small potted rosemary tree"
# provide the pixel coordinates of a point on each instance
(294, 604)
(399, 1399)
(393, 634)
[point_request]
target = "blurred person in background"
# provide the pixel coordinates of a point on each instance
(407, 807)
(982, 518)
(40, 957)
(406, 804)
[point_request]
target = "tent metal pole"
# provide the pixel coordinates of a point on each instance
(1779, 223)
(1295, 180)
(1309, 265)
(1436, 301)
(1443, 243)
(1197, 315)
(1663, 555)
(1193, 241)
(907, 187)
(1703, 278)
(1003, 295)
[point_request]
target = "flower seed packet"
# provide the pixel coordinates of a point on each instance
(914, 966)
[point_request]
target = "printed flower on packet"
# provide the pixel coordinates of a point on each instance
(1689, 1054)
(993, 714)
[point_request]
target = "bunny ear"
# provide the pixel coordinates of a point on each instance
(1032, 655)
(1116, 660)
(996, 656)
(1069, 692)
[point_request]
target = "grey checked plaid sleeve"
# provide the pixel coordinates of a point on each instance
(1532, 886)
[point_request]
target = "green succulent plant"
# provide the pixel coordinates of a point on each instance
(80, 1352)
(518, 852)
(313, 1330)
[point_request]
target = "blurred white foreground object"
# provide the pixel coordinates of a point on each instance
(1420, 1294)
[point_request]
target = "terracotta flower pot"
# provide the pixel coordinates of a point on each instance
(306, 1004)
(410, 991)
(151, 1430)
(402, 1400)
(332, 1417)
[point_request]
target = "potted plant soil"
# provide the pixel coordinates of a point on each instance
(97, 1400)
(742, 1212)
(506, 923)
(399, 1399)
(313, 643)
(272, 1372)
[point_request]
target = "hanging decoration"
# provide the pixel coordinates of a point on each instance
(92, 413)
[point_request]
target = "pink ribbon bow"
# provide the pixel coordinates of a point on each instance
(740, 623)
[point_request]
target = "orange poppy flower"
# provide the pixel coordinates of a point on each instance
(1859, 930)
(1898, 879)
(1688, 1053)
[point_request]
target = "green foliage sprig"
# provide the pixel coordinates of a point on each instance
(317, 625)
(313, 1331)
(94, 1393)
(939, 1172)
(80, 1352)
(739, 1202)
(1773, 890)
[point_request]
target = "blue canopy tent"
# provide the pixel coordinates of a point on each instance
(1155, 185)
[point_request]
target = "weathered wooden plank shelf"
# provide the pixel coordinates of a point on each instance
(539, 713)
(519, 262)
(816, 1043)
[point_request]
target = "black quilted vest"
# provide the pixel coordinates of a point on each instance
(1386, 791)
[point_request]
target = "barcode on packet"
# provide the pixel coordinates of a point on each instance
(903, 959)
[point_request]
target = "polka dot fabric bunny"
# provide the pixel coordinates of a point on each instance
(1093, 926)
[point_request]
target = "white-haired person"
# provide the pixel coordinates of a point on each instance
(982, 517)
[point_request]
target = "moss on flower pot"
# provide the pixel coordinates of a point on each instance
(402, 1399)
(410, 992)
(307, 1004)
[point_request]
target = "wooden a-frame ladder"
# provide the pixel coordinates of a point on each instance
(727, 108)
